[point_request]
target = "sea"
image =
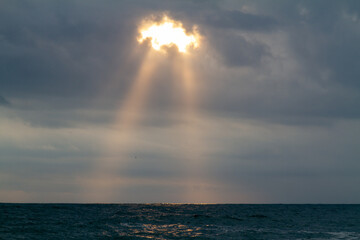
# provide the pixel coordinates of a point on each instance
(179, 221)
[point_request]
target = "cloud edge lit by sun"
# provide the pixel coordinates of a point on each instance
(167, 33)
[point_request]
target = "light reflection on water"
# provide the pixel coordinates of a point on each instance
(159, 231)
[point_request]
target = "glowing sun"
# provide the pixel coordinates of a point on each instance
(168, 32)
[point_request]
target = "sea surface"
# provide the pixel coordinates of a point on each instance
(178, 221)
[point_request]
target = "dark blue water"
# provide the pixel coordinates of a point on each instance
(174, 221)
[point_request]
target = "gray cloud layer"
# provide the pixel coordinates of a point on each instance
(279, 83)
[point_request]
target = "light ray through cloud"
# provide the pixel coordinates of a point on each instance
(197, 189)
(118, 141)
(116, 154)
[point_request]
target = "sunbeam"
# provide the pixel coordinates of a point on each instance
(193, 145)
(119, 139)
(124, 135)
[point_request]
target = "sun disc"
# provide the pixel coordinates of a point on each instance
(169, 33)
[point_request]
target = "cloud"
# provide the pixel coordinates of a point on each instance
(50, 51)
(294, 67)
(276, 103)
(234, 19)
(3, 101)
(236, 51)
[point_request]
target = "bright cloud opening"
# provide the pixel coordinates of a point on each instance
(168, 33)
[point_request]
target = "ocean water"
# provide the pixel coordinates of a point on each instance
(178, 221)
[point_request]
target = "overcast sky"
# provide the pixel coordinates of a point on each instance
(276, 119)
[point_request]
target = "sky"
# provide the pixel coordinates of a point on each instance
(265, 110)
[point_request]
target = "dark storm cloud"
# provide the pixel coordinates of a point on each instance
(222, 28)
(61, 55)
(60, 49)
(328, 41)
(228, 19)
(322, 40)
(236, 51)
(323, 36)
